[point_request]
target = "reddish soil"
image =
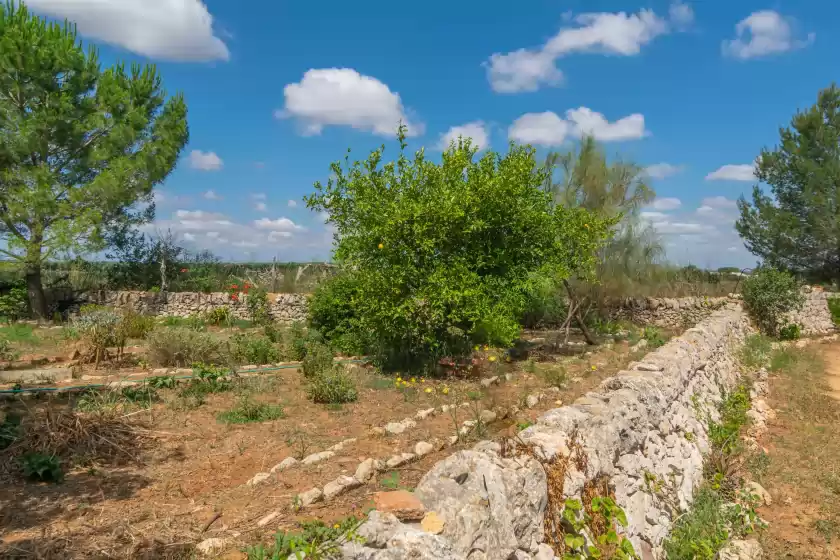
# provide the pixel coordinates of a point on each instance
(198, 467)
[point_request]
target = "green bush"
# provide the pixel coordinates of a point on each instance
(653, 336)
(135, 325)
(251, 349)
(791, 331)
(13, 304)
(182, 347)
(7, 354)
(219, 316)
(332, 387)
(317, 361)
(247, 411)
(834, 308)
(444, 255)
(257, 303)
(41, 467)
(297, 338)
(769, 295)
(332, 311)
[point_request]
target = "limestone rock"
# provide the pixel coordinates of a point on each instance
(211, 546)
(311, 496)
(497, 508)
(339, 486)
(487, 416)
(423, 414)
(403, 504)
(366, 469)
(259, 478)
(268, 519)
(757, 490)
(286, 463)
(532, 400)
(423, 448)
(398, 460)
(318, 457)
(741, 550)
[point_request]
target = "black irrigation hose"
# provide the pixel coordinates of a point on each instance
(100, 385)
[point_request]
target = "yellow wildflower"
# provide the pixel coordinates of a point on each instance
(336, 526)
(445, 390)
(594, 368)
(428, 389)
(381, 246)
(486, 348)
(413, 380)
(399, 378)
(492, 358)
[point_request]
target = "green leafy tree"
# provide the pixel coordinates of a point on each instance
(80, 147)
(443, 255)
(797, 227)
(615, 190)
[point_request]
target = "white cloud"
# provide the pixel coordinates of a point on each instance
(733, 173)
(280, 224)
(662, 170)
(522, 70)
(188, 237)
(720, 202)
(211, 195)
(764, 33)
(666, 203)
(343, 97)
(260, 207)
(666, 228)
(476, 130)
(205, 161)
(595, 124)
(654, 216)
(198, 215)
(548, 129)
(176, 30)
(539, 129)
(606, 33)
(292, 204)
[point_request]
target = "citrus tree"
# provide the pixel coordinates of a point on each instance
(81, 147)
(444, 254)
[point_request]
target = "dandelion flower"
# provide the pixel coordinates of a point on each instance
(428, 389)
(594, 368)
(336, 526)
(445, 390)
(492, 358)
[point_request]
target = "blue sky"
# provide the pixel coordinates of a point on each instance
(277, 90)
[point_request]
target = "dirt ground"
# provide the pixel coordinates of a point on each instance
(188, 468)
(801, 466)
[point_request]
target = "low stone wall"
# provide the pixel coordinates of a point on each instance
(282, 307)
(814, 316)
(644, 431)
(672, 313)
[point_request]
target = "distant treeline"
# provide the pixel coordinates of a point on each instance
(190, 275)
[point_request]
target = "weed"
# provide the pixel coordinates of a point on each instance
(591, 533)
(523, 424)
(219, 316)
(555, 376)
(390, 481)
(653, 336)
(791, 331)
(827, 528)
(708, 526)
(9, 430)
(20, 333)
(758, 464)
(117, 399)
(256, 350)
(723, 434)
(333, 387)
(318, 360)
(41, 467)
(162, 382)
(315, 541)
(834, 309)
(247, 411)
(135, 325)
(756, 351)
(300, 441)
(181, 347)
(6, 352)
(295, 341)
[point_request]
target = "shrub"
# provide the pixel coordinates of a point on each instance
(207, 380)
(257, 304)
(834, 309)
(791, 331)
(219, 316)
(769, 295)
(100, 329)
(135, 325)
(181, 347)
(332, 387)
(444, 255)
(332, 311)
(41, 467)
(318, 360)
(247, 411)
(13, 304)
(7, 354)
(250, 349)
(653, 336)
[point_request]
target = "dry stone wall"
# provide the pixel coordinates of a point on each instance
(670, 313)
(282, 307)
(814, 316)
(644, 430)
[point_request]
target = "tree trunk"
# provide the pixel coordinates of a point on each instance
(35, 290)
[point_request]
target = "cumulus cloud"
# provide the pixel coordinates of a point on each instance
(205, 161)
(548, 129)
(618, 33)
(174, 30)
(211, 195)
(260, 207)
(730, 172)
(344, 97)
(764, 33)
(654, 216)
(666, 203)
(662, 170)
(292, 204)
(477, 131)
(280, 224)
